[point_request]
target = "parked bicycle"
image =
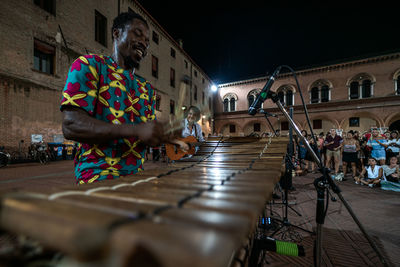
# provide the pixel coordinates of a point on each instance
(20, 155)
(38, 152)
(5, 157)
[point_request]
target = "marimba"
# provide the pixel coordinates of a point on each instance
(199, 211)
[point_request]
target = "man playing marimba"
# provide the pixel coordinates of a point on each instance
(109, 109)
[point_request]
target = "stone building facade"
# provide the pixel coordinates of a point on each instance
(41, 39)
(351, 95)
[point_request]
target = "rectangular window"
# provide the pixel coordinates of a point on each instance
(48, 5)
(44, 56)
(186, 64)
(154, 66)
(317, 124)
(354, 122)
(232, 128)
(195, 73)
(209, 103)
(172, 106)
(172, 52)
(256, 127)
(202, 98)
(195, 93)
(172, 77)
(158, 102)
(100, 27)
(155, 37)
(284, 125)
(203, 80)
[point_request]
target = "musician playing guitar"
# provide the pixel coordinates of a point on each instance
(191, 136)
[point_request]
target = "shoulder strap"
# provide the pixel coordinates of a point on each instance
(195, 130)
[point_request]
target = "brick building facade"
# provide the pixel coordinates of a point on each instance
(41, 39)
(348, 95)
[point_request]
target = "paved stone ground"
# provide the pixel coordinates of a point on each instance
(343, 243)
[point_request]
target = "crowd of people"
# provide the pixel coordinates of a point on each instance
(370, 158)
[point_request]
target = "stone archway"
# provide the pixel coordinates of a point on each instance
(365, 121)
(391, 119)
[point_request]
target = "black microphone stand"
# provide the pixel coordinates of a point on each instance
(322, 184)
(270, 124)
(287, 182)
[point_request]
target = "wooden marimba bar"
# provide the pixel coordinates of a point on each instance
(200, 211)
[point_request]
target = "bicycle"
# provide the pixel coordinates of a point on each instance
(4, 157)
(19, 156)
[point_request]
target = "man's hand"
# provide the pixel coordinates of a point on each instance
(182, 145)
(150, 133)
(78, 125)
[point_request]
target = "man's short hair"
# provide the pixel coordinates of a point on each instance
(124, 19)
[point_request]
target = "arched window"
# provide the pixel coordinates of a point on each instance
(250, 98)
(281, 96)
(314, 95)
(289, 98)
(320, 91)
(286, 95)
(226, 105)
(230, 102)
(398, 85)
(361, 86)
(325, 93)
(366, 88)
(252, 95)
(354, 90)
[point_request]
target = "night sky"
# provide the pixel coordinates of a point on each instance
(232, 40)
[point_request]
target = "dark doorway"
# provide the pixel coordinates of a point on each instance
(395, 126)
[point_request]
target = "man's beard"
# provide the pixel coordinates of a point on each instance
(130, 63)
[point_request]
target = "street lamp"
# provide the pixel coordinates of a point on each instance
(214, 88)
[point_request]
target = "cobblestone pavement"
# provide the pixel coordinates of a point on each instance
(343, 243)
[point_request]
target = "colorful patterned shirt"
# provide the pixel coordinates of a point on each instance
(109, 93)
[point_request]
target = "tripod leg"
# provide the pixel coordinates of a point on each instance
(295, 211)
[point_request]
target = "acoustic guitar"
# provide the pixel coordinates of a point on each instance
(174, 152)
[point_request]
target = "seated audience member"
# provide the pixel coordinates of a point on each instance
(391, 171)
(370, 175)
(392, 174)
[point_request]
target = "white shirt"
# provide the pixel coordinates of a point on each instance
(393, 148)
(196, 131)
(372, 174)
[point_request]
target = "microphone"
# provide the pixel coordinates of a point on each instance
(268, 114)
(264, 92)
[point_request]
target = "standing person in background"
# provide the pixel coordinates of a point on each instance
(321, 150)
(349, 153)
(377, 143)
(303, 151)
(333, 144)
(393, 145)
